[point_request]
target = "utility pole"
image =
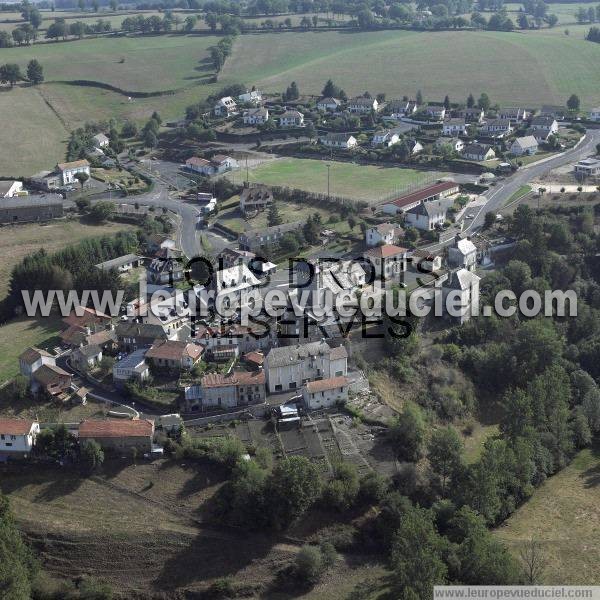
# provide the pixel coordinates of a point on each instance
(328, 168)
(247, 177)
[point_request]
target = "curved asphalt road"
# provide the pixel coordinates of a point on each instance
(189, 214)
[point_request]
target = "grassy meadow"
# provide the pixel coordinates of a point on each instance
(564, 516)
(18, 241)
(17, 335)
(531, 68)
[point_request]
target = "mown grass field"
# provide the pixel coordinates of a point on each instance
(565, 11)
(564, 516)
(550, 67)
(18, 241)
(33, 137)
(346, 179)
(17, 335)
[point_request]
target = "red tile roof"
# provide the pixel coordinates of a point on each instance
(386, 251)
(173, 350)
(424, 194)
(32, 354)
(235, 378)
(323, 385)
(199, 162)
(257, 358)
(113, 428)
(89, 316)
(15, 426)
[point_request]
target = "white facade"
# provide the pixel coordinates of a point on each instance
(454, 127)
(463, 255)
(17, 437)
(595, 114)
(325, 393)
(69, 170)
(328, 104)
(461, 292)
(225, 107)
(339, 141)
(252, 97)
(290, 367)
(380, 234)
(256, 116)
(131, 368)
(385, 138)
(363, 105)
(291, 118)
(524, 145)
(10, 189)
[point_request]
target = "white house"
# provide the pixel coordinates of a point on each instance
(100, 140)
(456, 144)
(87, 357)
(256, 116)
(329, 104)
(388, 261)
(414, 146)
(68, 170)
(10, 189)
(524, 145)
(588, 167)
(478, 152)
(460, 293)
(473, 115)
(17, 437)
(32, 359)
(385, 137)
(239, 388)
(251, 97)
(225, 107)
(463, 254)
(401, 108)
(325, 393)
(436, 112)
(290, 367)
(544, 122)
(412, 199)
(454, 127)
(514, 114)
(291, 118)
(132, 367)
(362, 105)
(339, 140)
(498, 128)
(232, 283)
(428, 215)
(595, 114)
(384, 233)
(217, 164)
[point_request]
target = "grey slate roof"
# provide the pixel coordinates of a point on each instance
(287, 355)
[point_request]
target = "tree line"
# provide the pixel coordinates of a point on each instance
(11, 73)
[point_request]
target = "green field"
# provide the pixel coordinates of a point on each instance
(564, 516)
(18, 241)
(37, 136)
(18, 335)
(348, 180)
(534, 68)
(565, 11)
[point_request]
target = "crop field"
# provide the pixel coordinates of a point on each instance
(564, 516)
(346, 179)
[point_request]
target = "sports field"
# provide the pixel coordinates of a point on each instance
(564, 516)
(363, 182)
